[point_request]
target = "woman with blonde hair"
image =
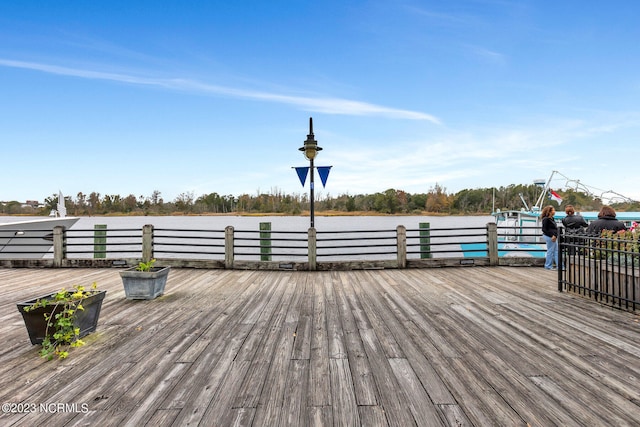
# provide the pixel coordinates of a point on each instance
(550, 236)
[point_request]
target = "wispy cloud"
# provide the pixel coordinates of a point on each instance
(488, 54)
(325, 105)
(443, 19)
(492, 156)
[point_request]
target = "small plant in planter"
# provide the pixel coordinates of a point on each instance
(58, 321)
(146, 266)
(620, 247)
(146, 281)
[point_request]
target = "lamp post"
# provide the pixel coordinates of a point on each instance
(310, 150)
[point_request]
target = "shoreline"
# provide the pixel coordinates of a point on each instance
(303, 214)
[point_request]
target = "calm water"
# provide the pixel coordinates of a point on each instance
(279, 223)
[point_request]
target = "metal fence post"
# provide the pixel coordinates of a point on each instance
(228, 247)
(492, 243)
(312, 248)
(561, 257)
(401, 239)
(147, 243)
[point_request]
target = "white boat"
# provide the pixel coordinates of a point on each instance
(520, 232)
(33, 238)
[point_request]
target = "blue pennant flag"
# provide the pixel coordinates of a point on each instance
(302, 174)
(323, 171)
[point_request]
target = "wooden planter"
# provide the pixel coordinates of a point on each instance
(144, 284)
(86, 320)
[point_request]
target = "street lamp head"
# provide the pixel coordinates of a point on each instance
(310, 148)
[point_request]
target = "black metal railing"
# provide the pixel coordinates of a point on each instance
(424, 243)
(102, 243)
(242, 248)
(604, 269)
(188, 243)
(353, 245)
(270, 245)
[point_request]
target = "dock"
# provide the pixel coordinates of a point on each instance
(465, 346)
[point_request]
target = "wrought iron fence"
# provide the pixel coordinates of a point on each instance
(605, 269)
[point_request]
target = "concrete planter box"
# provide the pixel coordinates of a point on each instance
(144, 284)
(86, 320)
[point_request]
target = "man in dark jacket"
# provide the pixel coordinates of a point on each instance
(606, 221)
(573, 222)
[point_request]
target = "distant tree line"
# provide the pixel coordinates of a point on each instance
(391, 201)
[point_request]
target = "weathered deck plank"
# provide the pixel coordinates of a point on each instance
(364, 385)
(451, 346)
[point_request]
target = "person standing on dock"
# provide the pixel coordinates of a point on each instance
(550, 235)
(606, 221)
(573, 222)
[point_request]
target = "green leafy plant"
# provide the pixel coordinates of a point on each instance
(623, 240)
(617, 247)
(61, 333)
(146, 266)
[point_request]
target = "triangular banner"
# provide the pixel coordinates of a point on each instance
(302, 174)
(323, 171)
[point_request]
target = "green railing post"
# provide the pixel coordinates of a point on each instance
(265, 241)
(425, 240)
(99, 241)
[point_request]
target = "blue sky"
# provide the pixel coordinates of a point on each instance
(128, 97)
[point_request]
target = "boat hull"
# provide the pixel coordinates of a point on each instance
(30, 239)
(526, 250)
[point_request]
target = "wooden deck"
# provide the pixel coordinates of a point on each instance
(474, 346)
